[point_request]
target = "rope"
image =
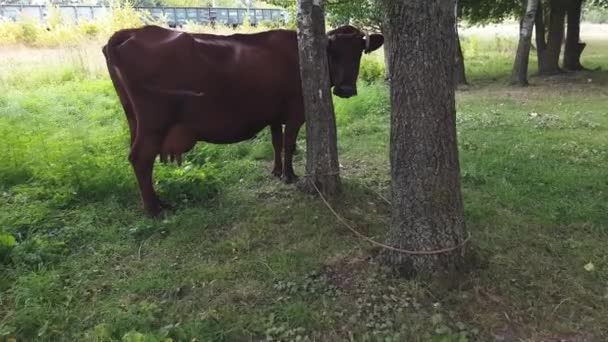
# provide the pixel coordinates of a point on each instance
(377, 194)
(379, 244)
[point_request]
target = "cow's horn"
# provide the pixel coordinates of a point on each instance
(366, 42)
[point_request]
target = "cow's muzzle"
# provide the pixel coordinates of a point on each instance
(345, 91)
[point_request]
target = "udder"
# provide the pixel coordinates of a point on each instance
(179, 140)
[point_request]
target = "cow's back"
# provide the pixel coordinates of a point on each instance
(266, 61)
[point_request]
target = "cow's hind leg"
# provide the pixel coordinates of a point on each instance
(291, 134)
(277, 144)
(132, 127)
(142, 156)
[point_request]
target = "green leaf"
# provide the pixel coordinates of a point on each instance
(7, 240)
(133, 336)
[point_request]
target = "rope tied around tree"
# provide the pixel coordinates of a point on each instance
(379, 244)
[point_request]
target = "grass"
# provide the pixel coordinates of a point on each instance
(245, 257)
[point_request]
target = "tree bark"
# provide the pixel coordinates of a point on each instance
(460, 77)
(321, 140)
(548, 62)
(574, 47)
(519, 74)
(427, 210)
(387, 53)
(541, 42)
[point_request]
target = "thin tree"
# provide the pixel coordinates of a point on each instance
(460, 77)
(519, 75)
(550, 19)
(321, 141)
(427, 209)
(574, 47)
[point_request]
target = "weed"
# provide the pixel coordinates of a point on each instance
(371, 70)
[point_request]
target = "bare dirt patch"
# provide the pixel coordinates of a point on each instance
(344, 271)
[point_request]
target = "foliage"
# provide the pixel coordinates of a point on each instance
(30, 32)
(24, 31)
(488, 11)
(7, 242)
(123, 16)
(365, 14)
(597, 3)
(495, 11)
(595, 12)
(371, 70)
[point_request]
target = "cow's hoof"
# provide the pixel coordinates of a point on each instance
(290, 179)
(165, 205)
(153, 211)
(277, 173)
(156, 209)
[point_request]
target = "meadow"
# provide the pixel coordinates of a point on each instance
(245, 257)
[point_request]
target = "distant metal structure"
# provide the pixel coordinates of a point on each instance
(173, 16)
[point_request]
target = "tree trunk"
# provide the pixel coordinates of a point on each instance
(519, 75)
(549, 60)
(541, 42)
(427, 210)
(387, 53)
(321, 141)
(574, 48)
(460, 77)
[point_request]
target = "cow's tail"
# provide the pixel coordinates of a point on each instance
(110, 53)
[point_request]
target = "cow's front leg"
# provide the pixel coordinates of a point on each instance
(142, 156)
(291, 135)
(277, 144)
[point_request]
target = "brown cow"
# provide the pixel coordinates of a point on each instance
(178, 88)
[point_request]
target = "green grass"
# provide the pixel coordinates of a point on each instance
(244, 256)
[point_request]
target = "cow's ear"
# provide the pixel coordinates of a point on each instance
(373, 42)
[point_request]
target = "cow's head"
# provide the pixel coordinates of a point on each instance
(345, 47)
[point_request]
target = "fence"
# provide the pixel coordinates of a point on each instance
(174, 16)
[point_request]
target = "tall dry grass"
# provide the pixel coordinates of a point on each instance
(58, 32)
